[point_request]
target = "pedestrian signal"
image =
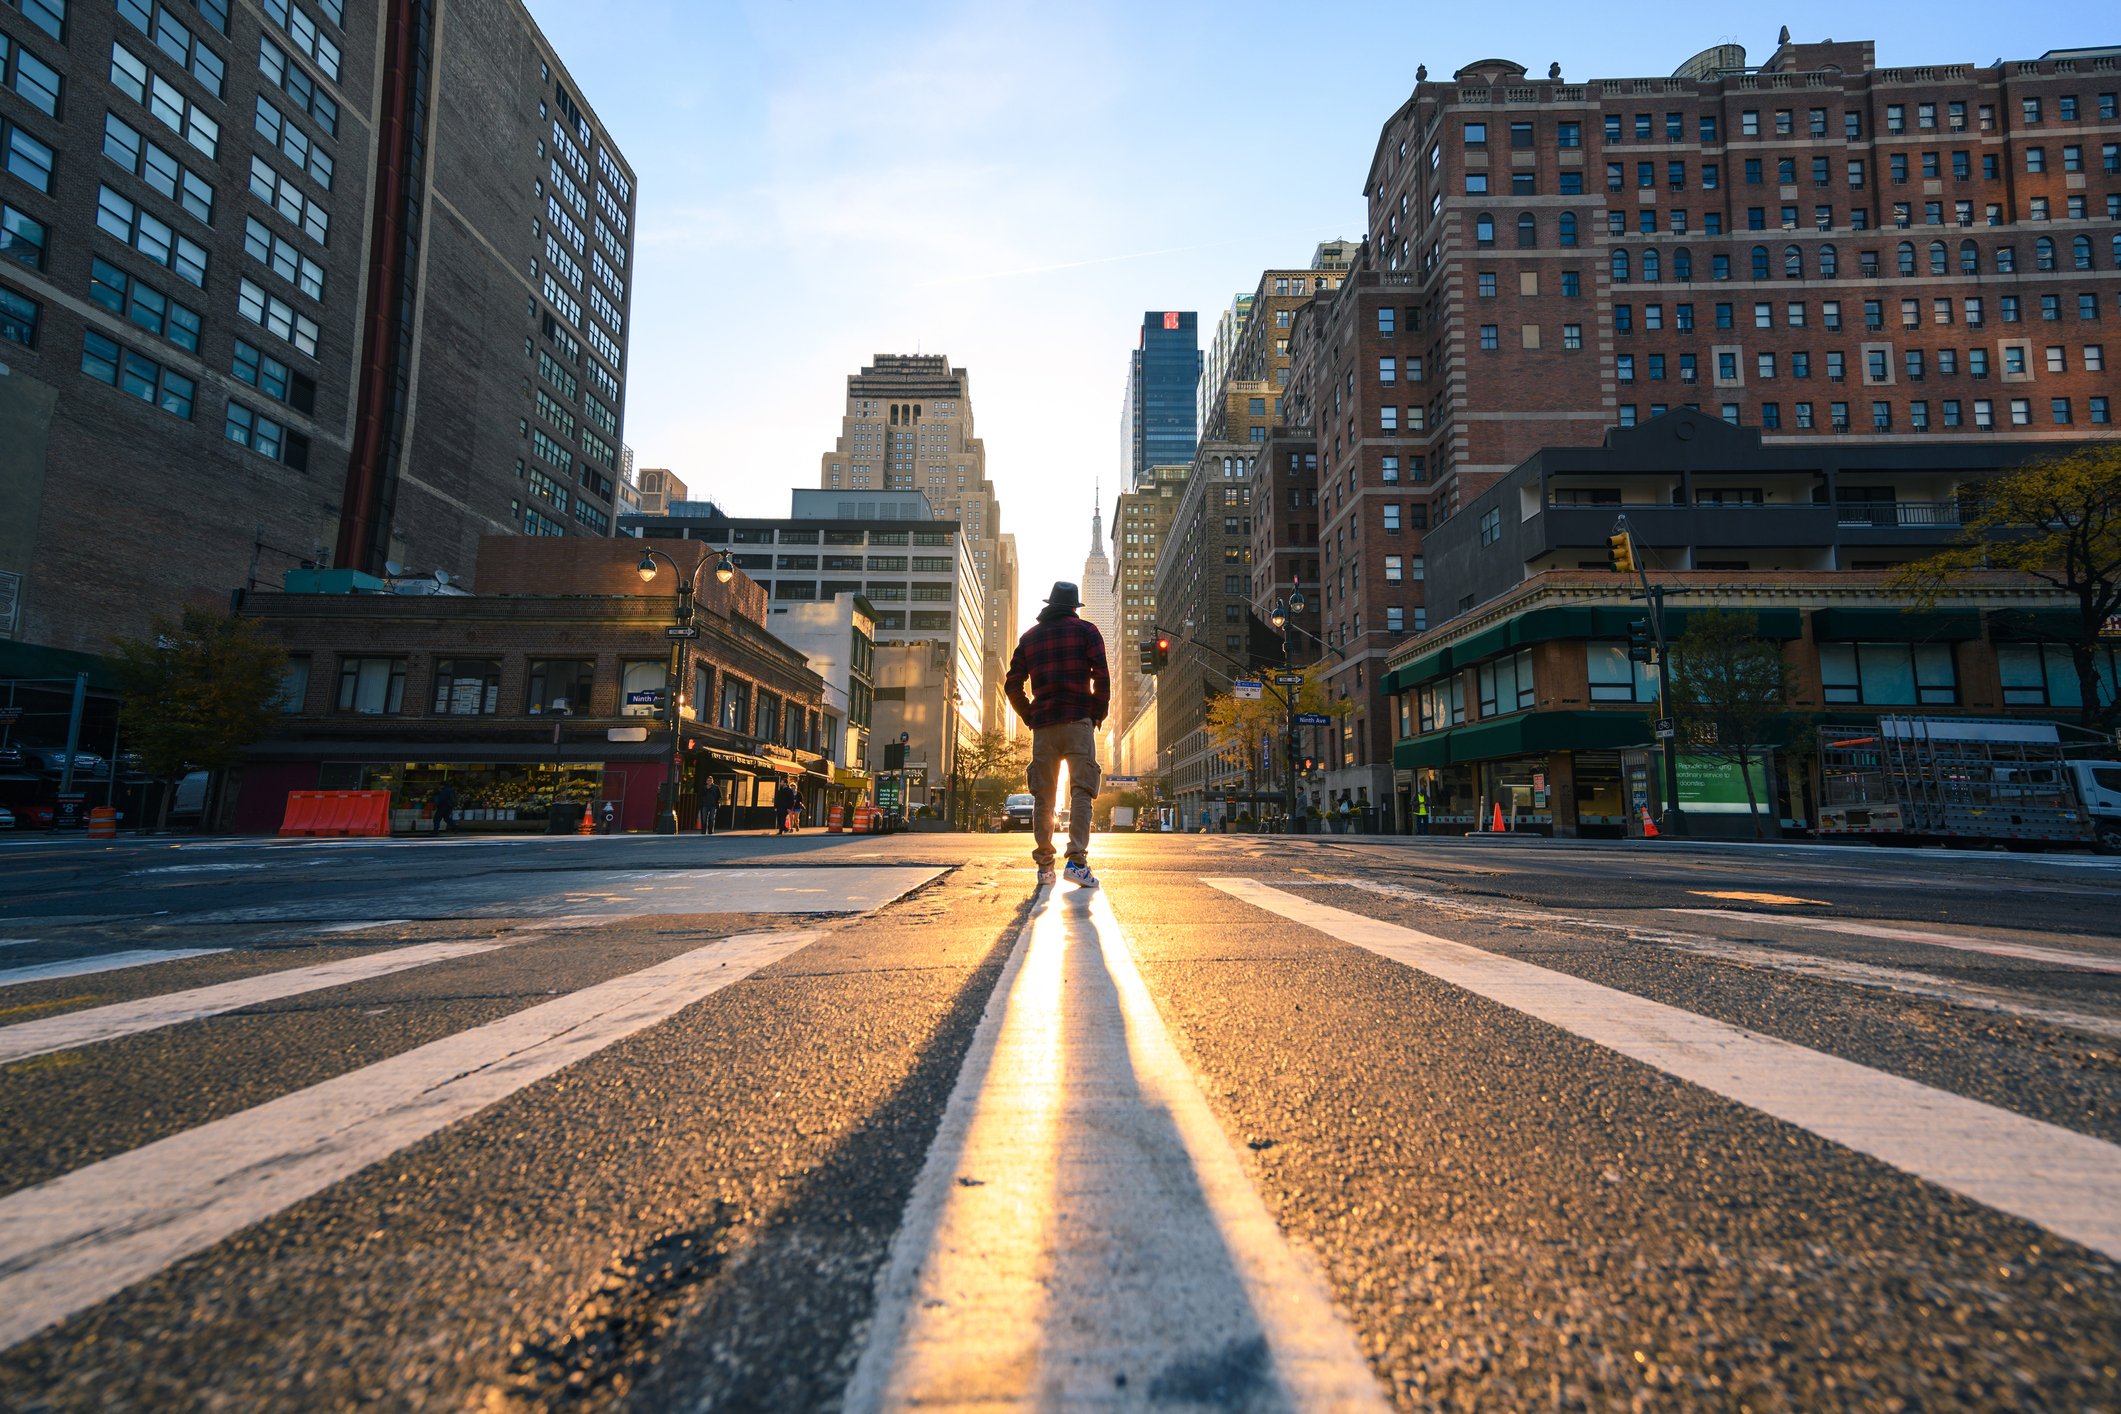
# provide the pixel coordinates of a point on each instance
(1621, 550)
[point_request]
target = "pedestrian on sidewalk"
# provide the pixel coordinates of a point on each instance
(784, 805)
(445, 805)
(1061, 661)
(710, 804)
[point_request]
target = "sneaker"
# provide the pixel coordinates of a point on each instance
(1046, 877)
(1078, 872)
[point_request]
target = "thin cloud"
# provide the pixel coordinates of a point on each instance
(1066, 265)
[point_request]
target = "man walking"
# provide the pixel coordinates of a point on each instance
(1062, 660)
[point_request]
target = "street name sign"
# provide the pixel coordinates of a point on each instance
(681, 631)
(1312, 719)
(1288, 679)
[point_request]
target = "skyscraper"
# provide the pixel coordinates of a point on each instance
(907, 426)
(363, 299)
(1163, 373)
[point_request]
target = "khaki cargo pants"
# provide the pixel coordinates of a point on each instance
(1075, 743)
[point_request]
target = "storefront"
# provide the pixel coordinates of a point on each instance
(500, 789)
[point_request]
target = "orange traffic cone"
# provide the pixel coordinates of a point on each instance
(1499, 826)
(589, 824)
(1649, 826)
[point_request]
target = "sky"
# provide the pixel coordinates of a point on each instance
(1013, 184)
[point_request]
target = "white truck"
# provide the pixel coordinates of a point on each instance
(1966, 780)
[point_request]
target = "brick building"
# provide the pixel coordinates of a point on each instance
(1817, 248)
(402, 693)
(1523, 693)
(1140, 523)
(293, 285)
(1203, 593)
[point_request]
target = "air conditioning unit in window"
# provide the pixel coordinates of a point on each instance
(1688, 375)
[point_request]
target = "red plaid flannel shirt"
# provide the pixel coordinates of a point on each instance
(1064, 661)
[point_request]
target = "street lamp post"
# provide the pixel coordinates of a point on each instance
(953, 806)
(682, 629)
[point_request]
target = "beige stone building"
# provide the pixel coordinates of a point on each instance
(659, 488)
(1139, 526)
(908, 426)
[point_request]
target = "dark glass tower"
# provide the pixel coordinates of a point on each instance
(1163, 375)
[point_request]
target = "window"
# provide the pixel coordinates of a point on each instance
(1571, 284)
(556, 682)
(1484, 229)
(129, 74)
(1888, 674)
(249, 428)
(28, 159)
(176, 42)
(105, 361)
(1490, 336)
(144, 305)
(281, 257)
(467, 687)
(1487, 284)
(18, 318)
(371, 686)
(1572, 336)
(1442, 704)
(1490, 526)
(37, 82)
(1616, 678)
(1384, 319)
(1506, 684)
(295, 82)
(277, 316)
(2043, 675)
(22, 238)
(293, 143)
(151, 236)
(308, 39)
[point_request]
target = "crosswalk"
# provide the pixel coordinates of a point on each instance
(1082, 1230)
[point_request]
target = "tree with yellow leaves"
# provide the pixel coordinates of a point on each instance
(2059, 521)
(1243, 727)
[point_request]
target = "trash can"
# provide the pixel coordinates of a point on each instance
(564, 817)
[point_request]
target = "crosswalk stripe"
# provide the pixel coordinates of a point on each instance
(106, 1023)
(2066, 1182)
(1081, 1217)
(101, 962)
(83, 1237)
(1996, 947)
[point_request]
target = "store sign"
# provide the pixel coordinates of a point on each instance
(626, 734)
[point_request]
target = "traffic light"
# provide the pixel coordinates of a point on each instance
(1621, 550)
(1641, 646)
(1156, 653)
(894, 756)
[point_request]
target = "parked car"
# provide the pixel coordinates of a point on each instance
(7, 818)
(189, 801)
(1017, 812)
(52, 760)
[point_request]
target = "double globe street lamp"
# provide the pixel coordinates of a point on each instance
(682, 629)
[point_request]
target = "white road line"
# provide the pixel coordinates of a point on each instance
(2031, 952)
(2001, 1001)
(356, 927)
(70, 1243)
(1081, 1215)
(106, 1023)
(2066, 1182)
(102, 962)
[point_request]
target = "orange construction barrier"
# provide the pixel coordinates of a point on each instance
(866, 818)
(337, 813)
(1649, 826)
(103, 823)
(836, 820)
(1499, 827)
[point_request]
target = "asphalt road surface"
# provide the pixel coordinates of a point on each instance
(1264, 1123)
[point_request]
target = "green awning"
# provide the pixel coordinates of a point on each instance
(1893, 626)
(1427, 668)
(1524, 733)
(2033, 626)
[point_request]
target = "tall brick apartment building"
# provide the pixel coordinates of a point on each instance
(331, 281)
(1819, 248)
